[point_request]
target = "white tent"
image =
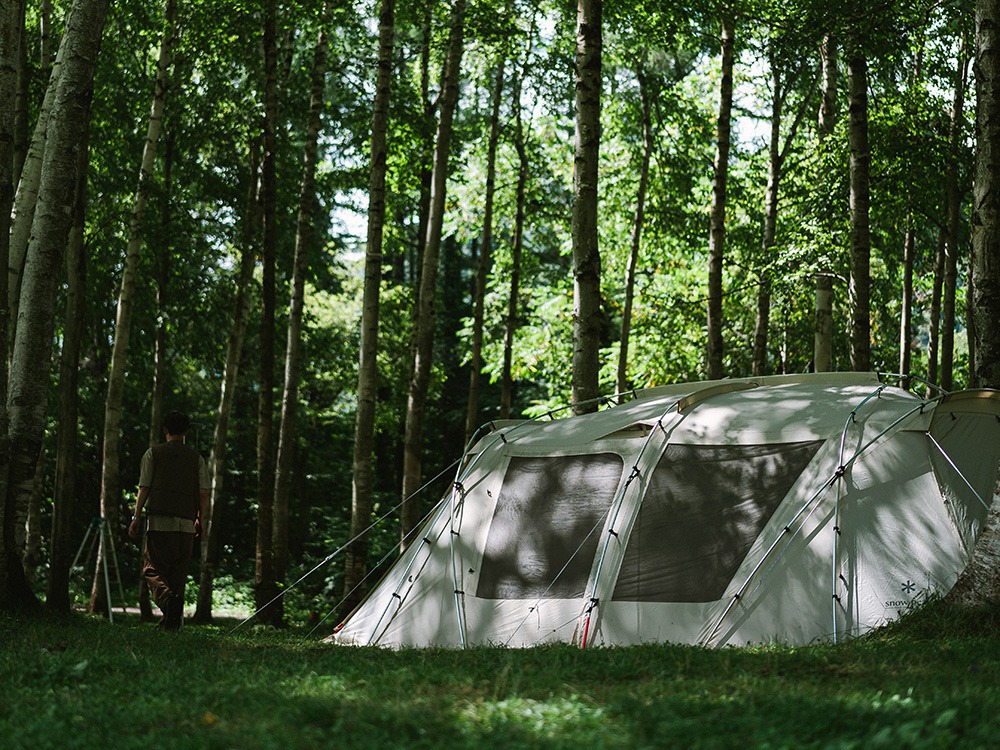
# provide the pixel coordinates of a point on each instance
(787, 508)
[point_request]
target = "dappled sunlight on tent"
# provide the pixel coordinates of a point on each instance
(787, 509)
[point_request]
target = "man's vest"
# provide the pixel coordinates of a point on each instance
(175, 486)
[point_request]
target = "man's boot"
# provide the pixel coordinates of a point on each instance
(175, 612)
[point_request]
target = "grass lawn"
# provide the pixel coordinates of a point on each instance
(931, 681)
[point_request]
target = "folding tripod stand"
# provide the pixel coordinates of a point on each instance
(103, 540)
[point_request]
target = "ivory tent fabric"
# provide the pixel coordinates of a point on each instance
(786, 509)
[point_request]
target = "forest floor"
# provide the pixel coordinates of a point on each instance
(930, 681)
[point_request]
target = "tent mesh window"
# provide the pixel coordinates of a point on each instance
(703, 509)
(546, 526)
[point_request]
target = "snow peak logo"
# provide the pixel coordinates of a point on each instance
(906, 588)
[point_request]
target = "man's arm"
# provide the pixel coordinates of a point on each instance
(140, 502)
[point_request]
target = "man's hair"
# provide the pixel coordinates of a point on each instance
(176, 423)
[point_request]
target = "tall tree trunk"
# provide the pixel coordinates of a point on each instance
(517, 246)
(424, 324)
(16, 49)
(162, 252)
(161, 249)
(823, 342)
(954, 205)
(29, 370)
(11, 26)
(906, 336)
(777, 153)
(293, 348)
(64, 495)
(586, 251)
(21, 97)
(264, 587)
(986, 192)
(770, 228)
(860, 167)
(427, 146)
(356, 565)
(45, 38)
(937, 287)
(717, 222)
(637, 222)
(211, 536)
(26, 197)
(980, 582)
(906, 304)
(485, 258)
(31, 527)
(110, 479)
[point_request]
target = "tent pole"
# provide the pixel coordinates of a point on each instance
(788, 526)
(617, 503)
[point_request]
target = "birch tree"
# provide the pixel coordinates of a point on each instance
(587, 321)
(264, 588)
(717, 221)
(211, 535)
(980, 583)
(424, 317)
(28, 185)
(293, 348)
(64, 493)
(823, 338)
(485, 256)
(637, 223)
(782, 86)
(356, 562)
(517, 246)
(11, 23)
(110, 478)
(860, 167)
(953, 201)
(33, 342)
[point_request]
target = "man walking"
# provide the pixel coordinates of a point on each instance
(173, 488)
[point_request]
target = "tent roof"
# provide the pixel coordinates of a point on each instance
(773, 409)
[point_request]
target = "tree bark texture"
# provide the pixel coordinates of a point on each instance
(11, 28)
(986, 215)
(356, 562)
(162, 252)
(26, 399)
(485, 258)
(211, 534)
(586, 251)
(517, 246)
(860, 169)
(717, 220)
(823, 340)
(637, 224)
(906, 304)
(425, 318)
(777, 153)
(111, 499)
(980, 582)
(64, 493)
(26, 196)
(300, 266)
(264, 585)
(763, 317)
(953, 198)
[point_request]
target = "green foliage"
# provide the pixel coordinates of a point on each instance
(213, 119)
(928, 682)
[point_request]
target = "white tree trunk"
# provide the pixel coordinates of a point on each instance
(586, 251)
(29, 370)
(111, 499)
